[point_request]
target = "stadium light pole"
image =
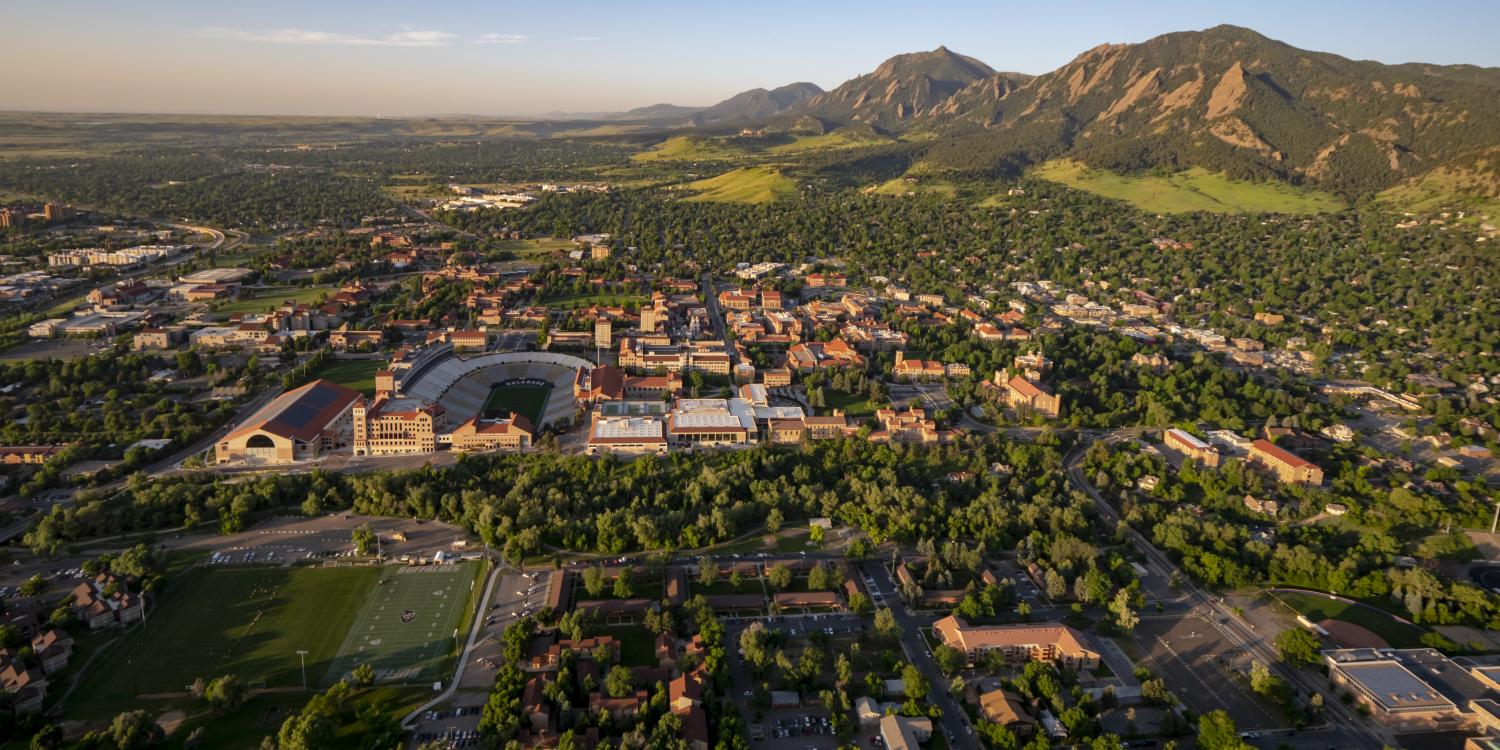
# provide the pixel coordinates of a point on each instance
(303, 653)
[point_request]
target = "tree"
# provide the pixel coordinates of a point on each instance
(309, 730)
(949, 659)
(33, 585)
(708, 572)
(49, 737)
(1216, 731)
(885, 624)
(916, 685)
(815, 534)
(133, 729)
(774, 519)
(365, 540)
(593, 580)
(618, 682)
(779, 576)
(198, 688)
(1298, 647)
(1125, 617)
(363, 676)
(820, 578)
(225, 693)
(622, 588)
(859, 603)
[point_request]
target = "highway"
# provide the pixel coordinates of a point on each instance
(1362, 733)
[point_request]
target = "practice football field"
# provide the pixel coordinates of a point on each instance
(246, 621)
(407, 626)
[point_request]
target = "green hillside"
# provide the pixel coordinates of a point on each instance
(688, 148)
(1448, 189)
(1184, 192)
(744, 185)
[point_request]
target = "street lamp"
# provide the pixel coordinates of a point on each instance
(303, 653)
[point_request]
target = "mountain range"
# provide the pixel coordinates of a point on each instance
(1226, 98)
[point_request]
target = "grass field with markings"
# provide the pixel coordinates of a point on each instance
(405, 630)
(245, 621)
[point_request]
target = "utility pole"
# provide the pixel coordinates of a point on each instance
(1497, 518)
(303, 653)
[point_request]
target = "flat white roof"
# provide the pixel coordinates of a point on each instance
(631, 428)
(1189, 438)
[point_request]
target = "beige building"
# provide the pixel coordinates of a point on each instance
(1190, 446)
(510, 433)
(1020, 643)
(392, 426)
(1034, 398)
(1287, 466)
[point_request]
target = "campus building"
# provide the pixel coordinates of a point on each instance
(392, 426)
(1190, 446)
(514, 432)
(1046, 641)
(301, 424)
(1032, 398)
(1287, 466)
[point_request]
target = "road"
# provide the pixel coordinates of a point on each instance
(711, 299)
(955, 722)
(1360, 733)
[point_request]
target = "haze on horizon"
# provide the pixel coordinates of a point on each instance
(510, 58)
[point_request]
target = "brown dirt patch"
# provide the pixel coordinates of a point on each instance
(1349, 635)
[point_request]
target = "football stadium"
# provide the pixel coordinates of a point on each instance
(536, 384)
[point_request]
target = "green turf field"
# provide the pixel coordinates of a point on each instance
(245, 621)
(1318, 607)
(406, 628)
(266, 301)
(358, 374)
(527, 400)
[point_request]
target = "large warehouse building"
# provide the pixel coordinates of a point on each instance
(298, 425)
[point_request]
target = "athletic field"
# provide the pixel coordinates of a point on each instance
(245, 621)
(406, 628)
(527, 399)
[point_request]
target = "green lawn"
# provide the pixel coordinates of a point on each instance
(1318, 607)
(535, 248)
(648, 585)
(1193, 190)
(266, 301)
(853, 405)
(637, 645)
(722, 586)
(754, 185)
(527, 400)
(358, 374)
(573, 301)
(245, 621)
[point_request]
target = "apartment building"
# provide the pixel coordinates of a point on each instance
(1286, 466)
(1046, 641)
(513, 432)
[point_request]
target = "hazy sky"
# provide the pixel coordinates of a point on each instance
(377, 57)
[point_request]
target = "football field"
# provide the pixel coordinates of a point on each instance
(406, 629)
(248, 621)
(527, 398)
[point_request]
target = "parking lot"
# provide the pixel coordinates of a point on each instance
(455, 727)
(291, 539)
(796, 729)
(1199, 665)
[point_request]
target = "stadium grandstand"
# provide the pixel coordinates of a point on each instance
(462, 386)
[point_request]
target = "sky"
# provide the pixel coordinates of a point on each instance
(499, 57)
